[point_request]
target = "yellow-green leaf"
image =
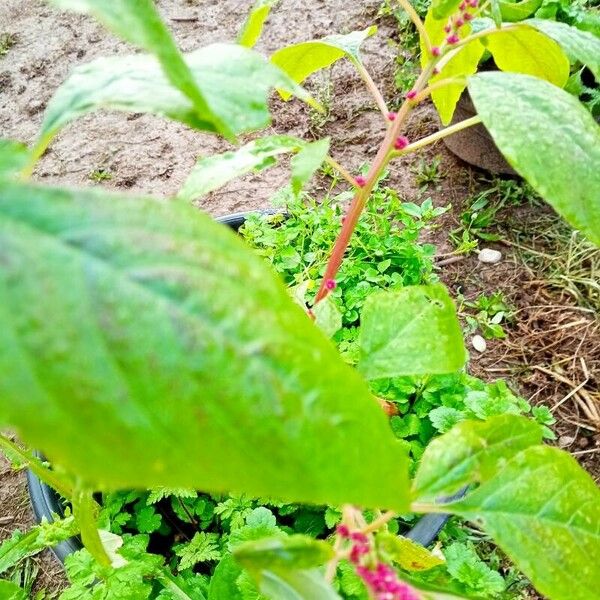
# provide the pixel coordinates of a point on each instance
(255, 22)
(408, 554)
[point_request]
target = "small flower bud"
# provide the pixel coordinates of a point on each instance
(360, 181)
(459, 22)
(473, 3)
(467, 16)
(411, 95)
(453, 39)
(391, 116)
(436, 71)
(343, 531)
(463, 5)
(401, 142)
(448, 28)
(435, 51)
(331, 284)
(358, 536)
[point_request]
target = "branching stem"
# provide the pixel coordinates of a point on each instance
(341, 170)
(372, 87)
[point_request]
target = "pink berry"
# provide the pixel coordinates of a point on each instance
(360, 181)
(436, 51)
(392, 116)
(474, 3)
(357, 536)
(463, 5)
(401, 142)
(412, 94)
(448, 28)
(343, 531)
(459, 22)
(468, 16)
(331, 284)
(453, 39)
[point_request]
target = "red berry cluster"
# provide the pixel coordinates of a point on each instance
(381, 580)
(456, 21)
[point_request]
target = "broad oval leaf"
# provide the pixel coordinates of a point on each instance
(212, 172)
(549, 139)
(440, 9)
(236, 82)
(140, 23)
(522, 49)
(296, 585)
(283, 553)
(517, 11)
(471, 452)
(168, 338)
(463, 63)
(255, 22)
(579, 46)
(301, 60)
(543, 510)
(414, 331)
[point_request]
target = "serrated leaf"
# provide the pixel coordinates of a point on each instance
(307, 161)
(301, 60)
(549, 138)
(517, 11)
(253, 26)
(203, 547)
(327, 316)
(414, 331)
(408, 554)
(579, 46)
(212, 172)
(522, 49)
(236, 82)
(543, 510)
(296, 585)
(140, 23)
(283, 553)
(13, 157)
(168, 335)
(462, 64)
(472, 451)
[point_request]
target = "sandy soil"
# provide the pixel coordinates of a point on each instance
(150, 155)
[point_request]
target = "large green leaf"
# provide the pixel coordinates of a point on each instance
(138, 22)
(462, 64)
(580, 46)
(223, 584)
(11, 591)
(471, 452)
(414, 331)
(236, 82)
(441, 9)
(543, 510)
(13, 157)
(522, 49)
(149, 346)
(517, 11)
(307, 161)
(255, 22)
(301, 60)
(549, 139)
(212, 172)
(283, 553)
(296, 585)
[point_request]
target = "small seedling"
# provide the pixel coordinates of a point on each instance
(489, 312)
(7, 41)
(427, 172)
(100, 174)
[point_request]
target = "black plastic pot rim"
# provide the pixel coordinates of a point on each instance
(46, 503)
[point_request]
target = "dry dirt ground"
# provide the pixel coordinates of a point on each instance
(147, 154)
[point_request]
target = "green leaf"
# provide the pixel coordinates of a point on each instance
(212, 172)
(203, 547)
(440, 9)
(168, 337)
(252, 28)
(11, 591)
(140, 24)
(579, 46)
(549, 139)
(301, 60)
(296, 585)
(496, 12)
(517, 11)
(543, 510)
(223, 582)
(307, 161)
(414, 331)
(283, 553)
(13, 157)
(236, 82)
(522, 49)
(462, 64)
(408, 554)
(472, 451)
(328, 316)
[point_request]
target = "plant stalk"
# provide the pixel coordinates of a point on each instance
(372, 87)
(85, 510)
(417, 22)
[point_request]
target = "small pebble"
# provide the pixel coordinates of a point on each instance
(487, 255)
(565, 440)
(478, 343)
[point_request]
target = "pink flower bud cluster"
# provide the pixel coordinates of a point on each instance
(381, 579)
(456, 21)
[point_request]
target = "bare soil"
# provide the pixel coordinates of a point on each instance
(150, 155)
